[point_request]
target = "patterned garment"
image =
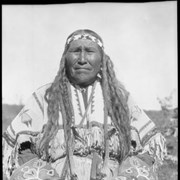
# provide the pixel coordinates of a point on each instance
(133, 168)
(35, 169)
(26, 130)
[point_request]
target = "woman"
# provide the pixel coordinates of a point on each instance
(84, 125)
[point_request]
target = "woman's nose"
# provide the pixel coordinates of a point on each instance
(82, 58)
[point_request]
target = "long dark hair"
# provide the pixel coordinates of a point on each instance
(58, 97)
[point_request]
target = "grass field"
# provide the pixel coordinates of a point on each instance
(168, 171)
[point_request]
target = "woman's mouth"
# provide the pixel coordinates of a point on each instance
(83, 69)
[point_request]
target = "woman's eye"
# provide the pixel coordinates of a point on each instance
(90, 50)
(76, 50)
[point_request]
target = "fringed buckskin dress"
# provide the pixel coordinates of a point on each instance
(21, 162)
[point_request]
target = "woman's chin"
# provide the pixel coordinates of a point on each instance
(84, 82)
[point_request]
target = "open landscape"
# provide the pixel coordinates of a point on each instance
(168, 171)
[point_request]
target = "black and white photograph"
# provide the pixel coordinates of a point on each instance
(89, 91)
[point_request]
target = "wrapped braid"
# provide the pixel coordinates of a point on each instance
(52, 97)
(115, 97)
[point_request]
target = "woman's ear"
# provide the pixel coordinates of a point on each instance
(100, 71)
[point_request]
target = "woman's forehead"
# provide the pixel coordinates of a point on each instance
(83, 43)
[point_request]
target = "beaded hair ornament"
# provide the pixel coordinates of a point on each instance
(85, 36)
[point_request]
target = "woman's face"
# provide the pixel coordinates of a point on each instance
(83, 62)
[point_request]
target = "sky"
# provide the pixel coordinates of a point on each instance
(140, 38)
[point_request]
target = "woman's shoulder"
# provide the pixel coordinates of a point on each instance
(42, 89)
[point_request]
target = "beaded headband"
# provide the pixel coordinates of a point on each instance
(85, 36)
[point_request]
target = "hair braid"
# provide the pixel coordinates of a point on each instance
(115, 97)
(56, 96)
